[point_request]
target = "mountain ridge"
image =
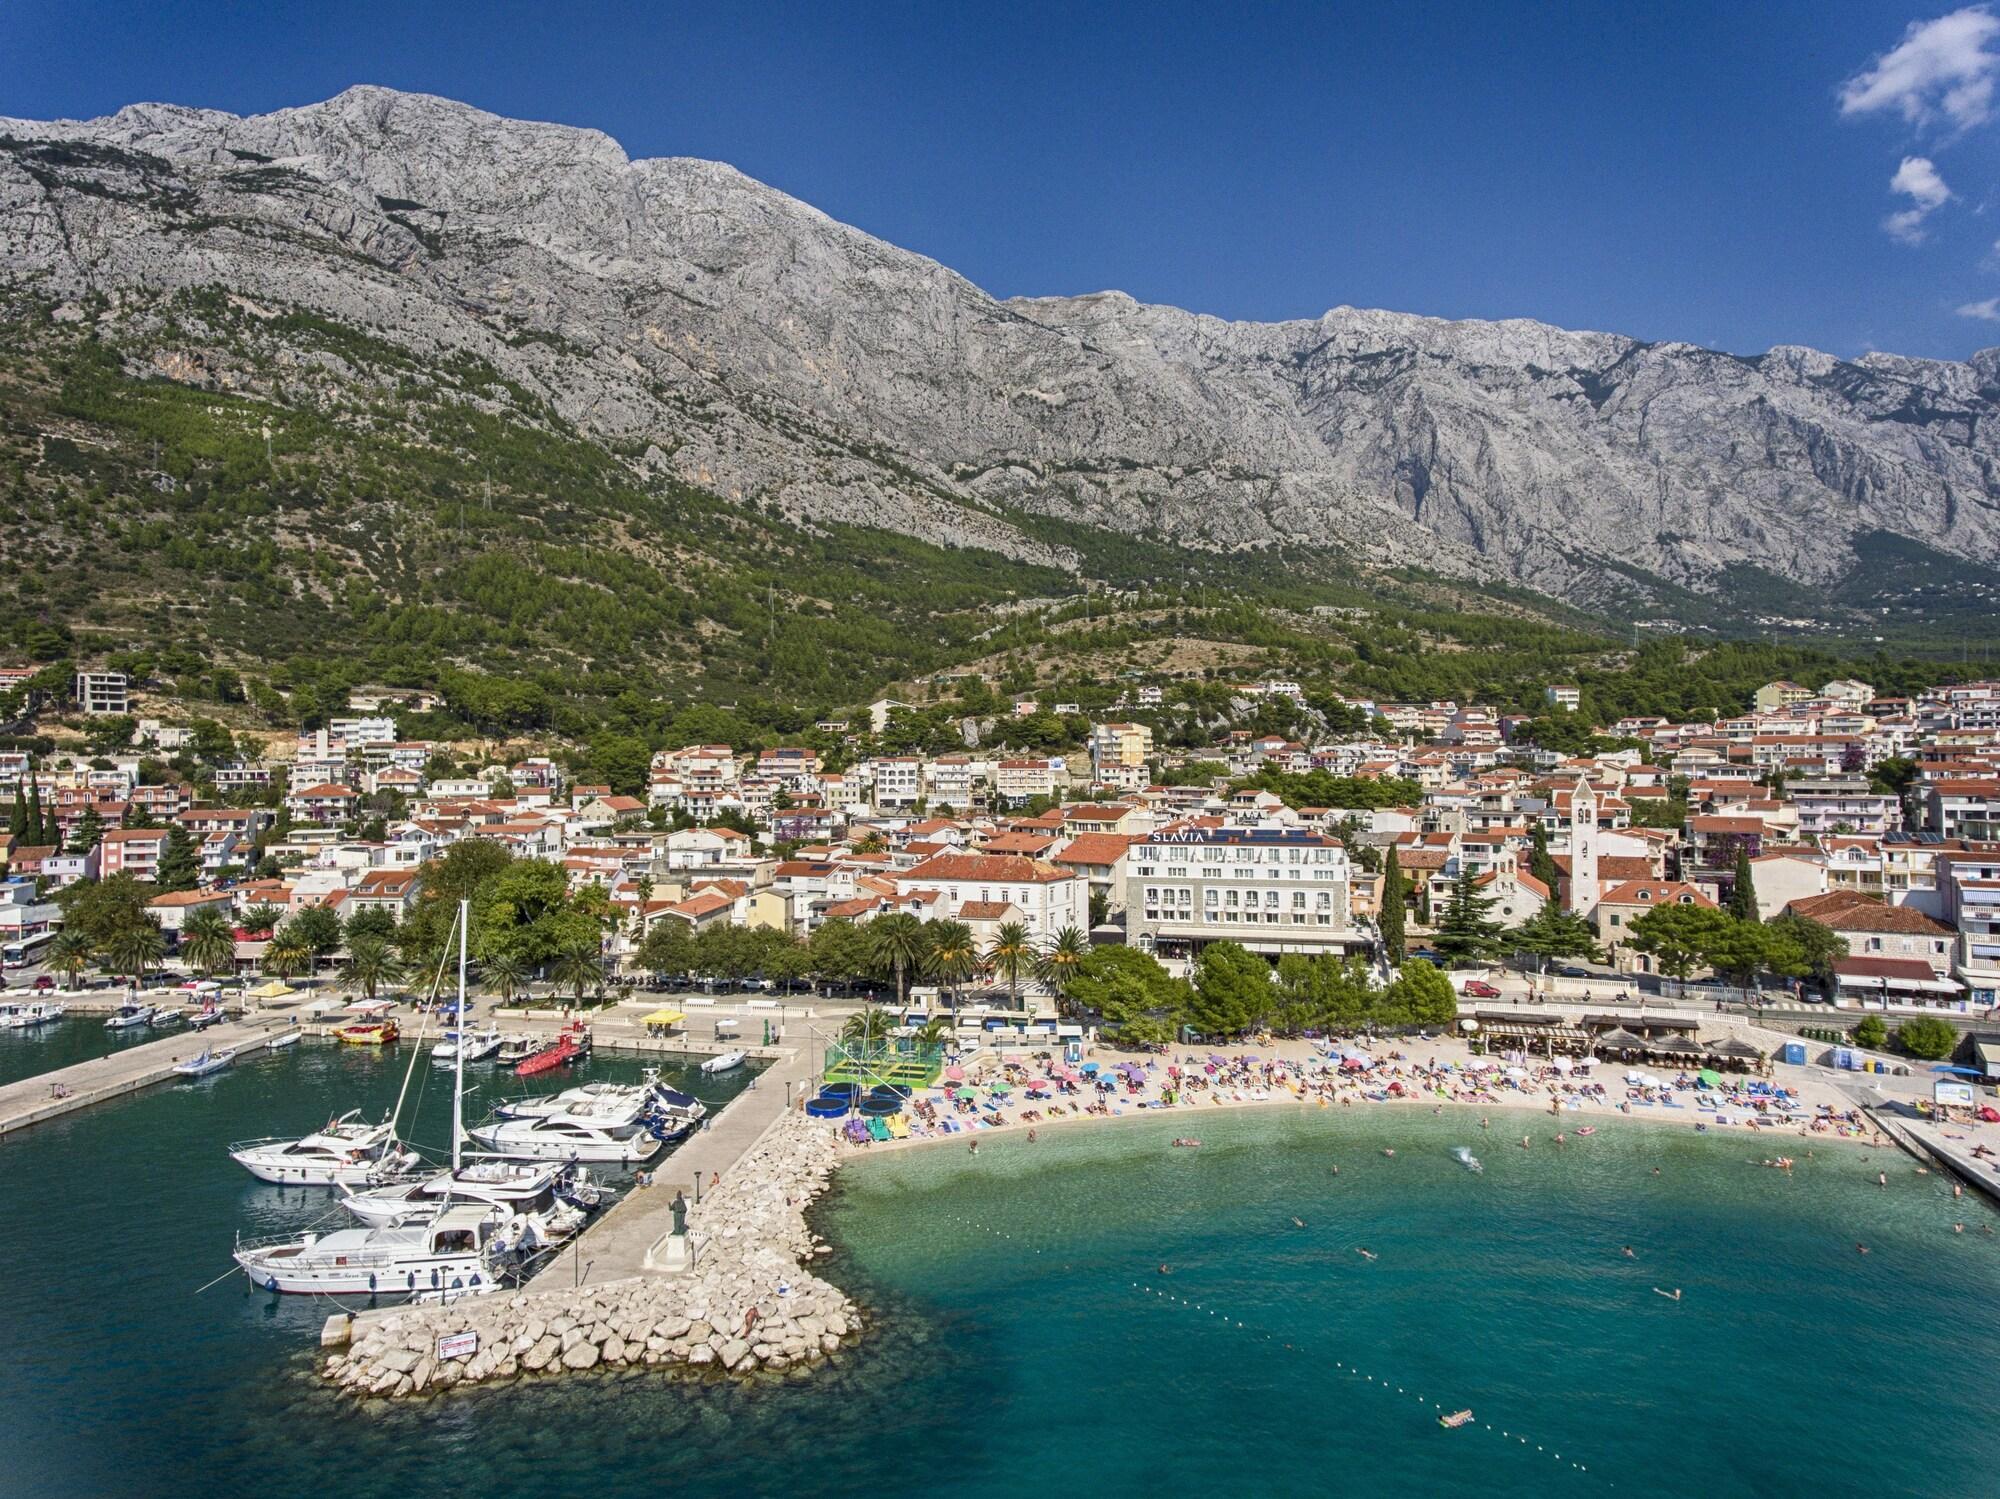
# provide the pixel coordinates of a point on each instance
(749, 343)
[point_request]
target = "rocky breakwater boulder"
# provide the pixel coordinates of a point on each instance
(748, 1305)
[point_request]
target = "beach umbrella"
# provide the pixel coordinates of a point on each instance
(956, 1074)
(1709, 1077)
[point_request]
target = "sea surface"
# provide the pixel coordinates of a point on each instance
(1097, 1313)
(72, 1039)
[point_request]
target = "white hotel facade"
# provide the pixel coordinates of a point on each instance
(1273, 890)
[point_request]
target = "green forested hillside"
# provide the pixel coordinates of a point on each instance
(242, 505)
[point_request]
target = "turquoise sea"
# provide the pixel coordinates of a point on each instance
(1024, 1331)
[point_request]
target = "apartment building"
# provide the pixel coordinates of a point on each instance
(1274, 890)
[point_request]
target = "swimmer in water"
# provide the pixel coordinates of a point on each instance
(1298, 1223)
(1861, 1248)
(1388, 1152)
(1958, 1228)
(1485, 1123)
(1881, 1178)
(1524, 1143)
(1656, 1171)
(1673, 1295)
(1366, 1254)
(1559, 1138)
(1166, 1269)
(1627, 1252)
(1335, 1170)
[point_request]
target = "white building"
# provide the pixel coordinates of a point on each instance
(1272, 890)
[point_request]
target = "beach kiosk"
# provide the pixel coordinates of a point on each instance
(661, 1023)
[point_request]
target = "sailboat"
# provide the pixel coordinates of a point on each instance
(462, 1247)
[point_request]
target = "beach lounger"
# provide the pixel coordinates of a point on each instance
(899, 1127)
(877, 1130)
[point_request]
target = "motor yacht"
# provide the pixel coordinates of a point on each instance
(346, 1152)
(462, 1247)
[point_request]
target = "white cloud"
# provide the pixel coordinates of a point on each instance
(1940, 67)
(1987, 311)
(1920, 181)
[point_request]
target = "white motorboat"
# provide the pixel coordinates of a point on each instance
(563, 1137)
(128, 1017)
(729, 1061)
(283, 1039)
(478, 1046)
(518, 1186)
(461, 1248)
(209, 1061)
(346, 1152)
(24, 1015)
(604, 1099)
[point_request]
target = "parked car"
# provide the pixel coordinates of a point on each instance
(1573, 971)
(1480, 989)
(44, 982)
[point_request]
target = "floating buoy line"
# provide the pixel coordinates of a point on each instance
(1164, 1297)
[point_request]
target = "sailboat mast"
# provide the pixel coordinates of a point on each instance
(458, 1061)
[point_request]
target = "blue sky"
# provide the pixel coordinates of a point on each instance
(1735, 175)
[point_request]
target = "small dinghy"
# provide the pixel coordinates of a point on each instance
(209, 1061)
(729, 1061)
(283, 1039)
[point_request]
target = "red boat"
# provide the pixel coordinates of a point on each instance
(571, 1043)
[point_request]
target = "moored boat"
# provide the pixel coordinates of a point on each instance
(565, 1138)
(207, 1062)
(729, 1061)
(344, 1151)
(572, 1042)
(368, 1033)
(477, 1046)
(518, 1186)
(129, 1017)
(25, 1015)
(463, 1247)
(284, 1039)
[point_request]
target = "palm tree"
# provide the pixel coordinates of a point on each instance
(579, 964)
(69, 955)
(371, 965)
(868, 1027)
(954, 954)
(933, 1032)
(1011, 954)
(286, 955)
(897, 941)
(207, 941)
(136, 949)
(503, 974)
(1058, 965)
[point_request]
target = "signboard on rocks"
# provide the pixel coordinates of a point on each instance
(457, 1345)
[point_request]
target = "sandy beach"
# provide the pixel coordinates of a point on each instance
(1438, 1074)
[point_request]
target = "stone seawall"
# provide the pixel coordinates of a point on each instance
(748, 1303)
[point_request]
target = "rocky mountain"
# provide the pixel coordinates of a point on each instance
(714, 330)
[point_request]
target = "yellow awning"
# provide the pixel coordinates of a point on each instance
(663, 1017)
(272, 990)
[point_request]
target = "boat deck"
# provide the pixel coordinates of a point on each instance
(33, 1099)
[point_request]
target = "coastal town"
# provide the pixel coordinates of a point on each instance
(1824, 847)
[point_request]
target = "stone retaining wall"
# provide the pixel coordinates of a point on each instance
(748, 1304)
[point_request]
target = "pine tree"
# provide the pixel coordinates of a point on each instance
(1392, 907)
(1743, 895)
(1466, 932)
(88, 830)
(180, 861)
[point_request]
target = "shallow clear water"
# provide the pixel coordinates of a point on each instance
(1015, 1337)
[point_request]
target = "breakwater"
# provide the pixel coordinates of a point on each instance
(743, 1299)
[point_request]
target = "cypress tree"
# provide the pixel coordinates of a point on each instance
(17, 820)
(1743, 894)
(1541, 863)
(1392, 907)
(38, 826)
